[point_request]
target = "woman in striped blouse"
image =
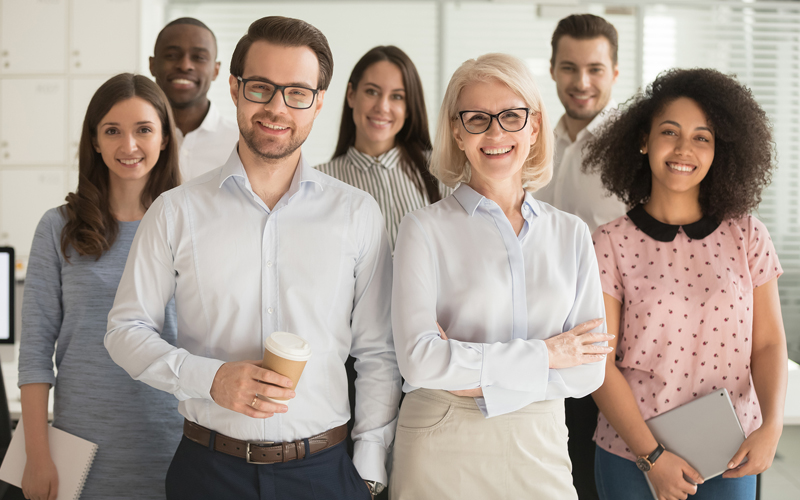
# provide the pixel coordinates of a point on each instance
(384, 145)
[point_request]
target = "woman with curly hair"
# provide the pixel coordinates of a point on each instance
(128, 156)
(689, 281)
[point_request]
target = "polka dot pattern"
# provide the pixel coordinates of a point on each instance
(687, 318)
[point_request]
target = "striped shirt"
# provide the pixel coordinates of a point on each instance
(387, 179)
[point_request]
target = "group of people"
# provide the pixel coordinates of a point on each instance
(488, 276)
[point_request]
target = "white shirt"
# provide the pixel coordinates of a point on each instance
(573, 191)
(208, 146)
(318, 264)
(497, 295)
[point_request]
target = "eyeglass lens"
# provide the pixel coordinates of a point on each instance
(294, 97)
(511, 120)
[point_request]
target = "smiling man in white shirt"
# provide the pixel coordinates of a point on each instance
(584, 67)
(263, 244)
(184, 64)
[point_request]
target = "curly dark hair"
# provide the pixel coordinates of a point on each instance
(743, 152)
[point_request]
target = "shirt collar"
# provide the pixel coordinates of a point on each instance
(387, 160)
(212, 119)
(660, 231)
(209, 124)
(469, 199)
(592, 128)
(304, 175)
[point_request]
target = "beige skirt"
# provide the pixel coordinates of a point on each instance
(446, 449)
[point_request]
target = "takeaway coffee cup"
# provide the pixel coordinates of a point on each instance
(287, 354)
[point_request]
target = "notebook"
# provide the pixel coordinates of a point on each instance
(704, 432)
(72, 455)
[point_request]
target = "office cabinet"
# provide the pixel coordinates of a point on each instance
(33, 121)
(54, 54)
(32, 36)
(104, 36)
(25, 195)
(80, 93)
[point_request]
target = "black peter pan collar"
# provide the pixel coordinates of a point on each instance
(667, 232)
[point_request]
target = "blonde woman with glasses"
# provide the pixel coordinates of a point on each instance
(496, 307)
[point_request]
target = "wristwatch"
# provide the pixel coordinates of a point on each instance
(646, 462)
(375, 487)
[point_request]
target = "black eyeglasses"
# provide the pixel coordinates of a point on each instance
(262, 92)
(510, 120)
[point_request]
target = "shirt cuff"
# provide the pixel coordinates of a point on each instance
(36, 377)
(196, 376)
(519, 365)
(370, 461)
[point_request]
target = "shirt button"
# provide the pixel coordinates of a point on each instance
(269, 263)
(269, 310)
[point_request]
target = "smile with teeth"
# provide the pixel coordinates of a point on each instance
(681, 167)
(497, 151)
(271, 126)
(379, 122)
(133, 161)
(182, 81)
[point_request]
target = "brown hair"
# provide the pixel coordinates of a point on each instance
(91, 228)
(413, 140)
(287, 32)
(584, 27)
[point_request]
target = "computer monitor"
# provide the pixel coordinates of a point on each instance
(6, 295)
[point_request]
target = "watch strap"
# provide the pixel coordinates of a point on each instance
(652, 457)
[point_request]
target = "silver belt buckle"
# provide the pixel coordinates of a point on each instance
(258, 443)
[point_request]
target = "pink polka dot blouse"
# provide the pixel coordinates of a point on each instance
(687, 318)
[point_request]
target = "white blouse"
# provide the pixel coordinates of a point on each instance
(497, 295)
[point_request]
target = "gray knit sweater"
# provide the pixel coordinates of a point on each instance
(65, 308)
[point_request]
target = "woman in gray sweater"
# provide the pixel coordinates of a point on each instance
(128, 157)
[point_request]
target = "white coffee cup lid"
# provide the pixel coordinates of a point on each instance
(288, 345)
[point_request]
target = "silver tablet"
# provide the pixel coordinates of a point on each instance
(704, 432)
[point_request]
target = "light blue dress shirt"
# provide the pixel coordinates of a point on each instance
(497, 295)
(318, 265)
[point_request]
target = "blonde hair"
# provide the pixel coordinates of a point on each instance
(449, 164)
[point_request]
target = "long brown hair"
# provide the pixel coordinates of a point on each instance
(414, 140)
(91, 228)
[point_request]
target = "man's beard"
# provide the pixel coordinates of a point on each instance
(582, 115)
(264, 152)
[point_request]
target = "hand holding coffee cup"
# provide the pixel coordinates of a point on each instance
(286, 354)
(237, 382)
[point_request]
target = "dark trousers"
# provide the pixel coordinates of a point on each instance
(581, 418)
(197, 472)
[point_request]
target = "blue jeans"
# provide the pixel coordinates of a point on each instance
(618, 478)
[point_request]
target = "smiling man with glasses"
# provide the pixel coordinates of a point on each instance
(265, 244)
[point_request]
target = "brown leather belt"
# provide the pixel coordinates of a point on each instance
(264, 452)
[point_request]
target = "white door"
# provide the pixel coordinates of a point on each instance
(33, 122)
(25, 195)
(104, 36)
(33, 36)
(80, 93)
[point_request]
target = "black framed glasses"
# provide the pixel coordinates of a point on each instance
(262, 92)
(510, 120)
